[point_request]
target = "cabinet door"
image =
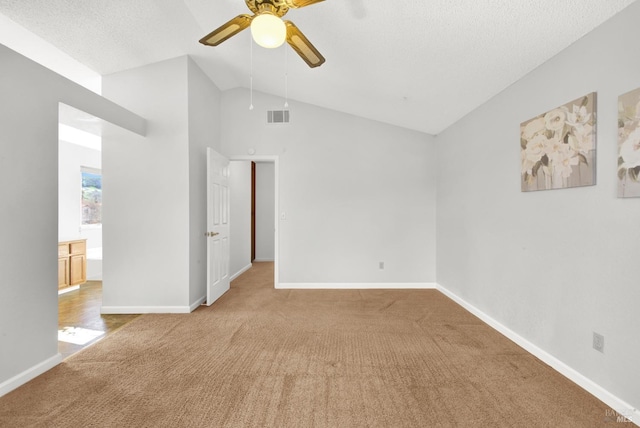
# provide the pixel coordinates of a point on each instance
(63, 272)
(78, 273)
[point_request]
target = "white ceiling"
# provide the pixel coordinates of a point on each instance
(419, 64)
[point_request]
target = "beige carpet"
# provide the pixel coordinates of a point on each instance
(261, 357)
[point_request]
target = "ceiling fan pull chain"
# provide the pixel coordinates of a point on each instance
(286, 77)
(251, 75)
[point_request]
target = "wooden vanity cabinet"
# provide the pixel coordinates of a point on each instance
(72, 263)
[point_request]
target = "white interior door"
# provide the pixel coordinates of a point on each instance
(217, 225)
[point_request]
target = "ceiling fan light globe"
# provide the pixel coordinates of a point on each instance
(268, 30)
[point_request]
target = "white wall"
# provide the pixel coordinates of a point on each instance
(240, 213)
(204, 131)
(155, 199)
(355, 192)
(552, 266)
(30, 95)
(146, 193)
(71, 157)
(265, 211)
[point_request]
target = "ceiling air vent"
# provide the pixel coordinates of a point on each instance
(277, 116)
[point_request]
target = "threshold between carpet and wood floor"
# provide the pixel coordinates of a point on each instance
(80, 322)
(262, 357)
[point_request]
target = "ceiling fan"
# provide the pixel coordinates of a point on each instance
(268, 29)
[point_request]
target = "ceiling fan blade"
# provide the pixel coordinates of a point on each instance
(227, 30)
(301, 3)
(303, 46)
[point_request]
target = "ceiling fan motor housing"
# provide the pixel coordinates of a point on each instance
(278, 8)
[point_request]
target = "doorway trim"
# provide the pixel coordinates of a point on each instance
(275, 160)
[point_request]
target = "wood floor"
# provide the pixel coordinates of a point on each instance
(79, 310)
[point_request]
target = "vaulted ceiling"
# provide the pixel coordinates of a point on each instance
(418, 64)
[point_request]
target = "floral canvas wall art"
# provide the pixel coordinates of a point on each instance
(629, 144)
(558, 148)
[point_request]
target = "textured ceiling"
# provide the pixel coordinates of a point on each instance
(419, 64)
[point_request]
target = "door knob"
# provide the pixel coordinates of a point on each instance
(211, 234)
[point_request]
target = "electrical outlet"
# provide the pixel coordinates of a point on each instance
(381, 265)
(598, 342)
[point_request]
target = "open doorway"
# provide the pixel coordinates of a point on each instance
(263, 211)
(254, 208)
(80, 233)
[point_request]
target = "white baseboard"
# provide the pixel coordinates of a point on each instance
(31, 373)
(240, 272)
(145, 310)
(263, 260)
(356, 285)
(197, 303)
(587, 384)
